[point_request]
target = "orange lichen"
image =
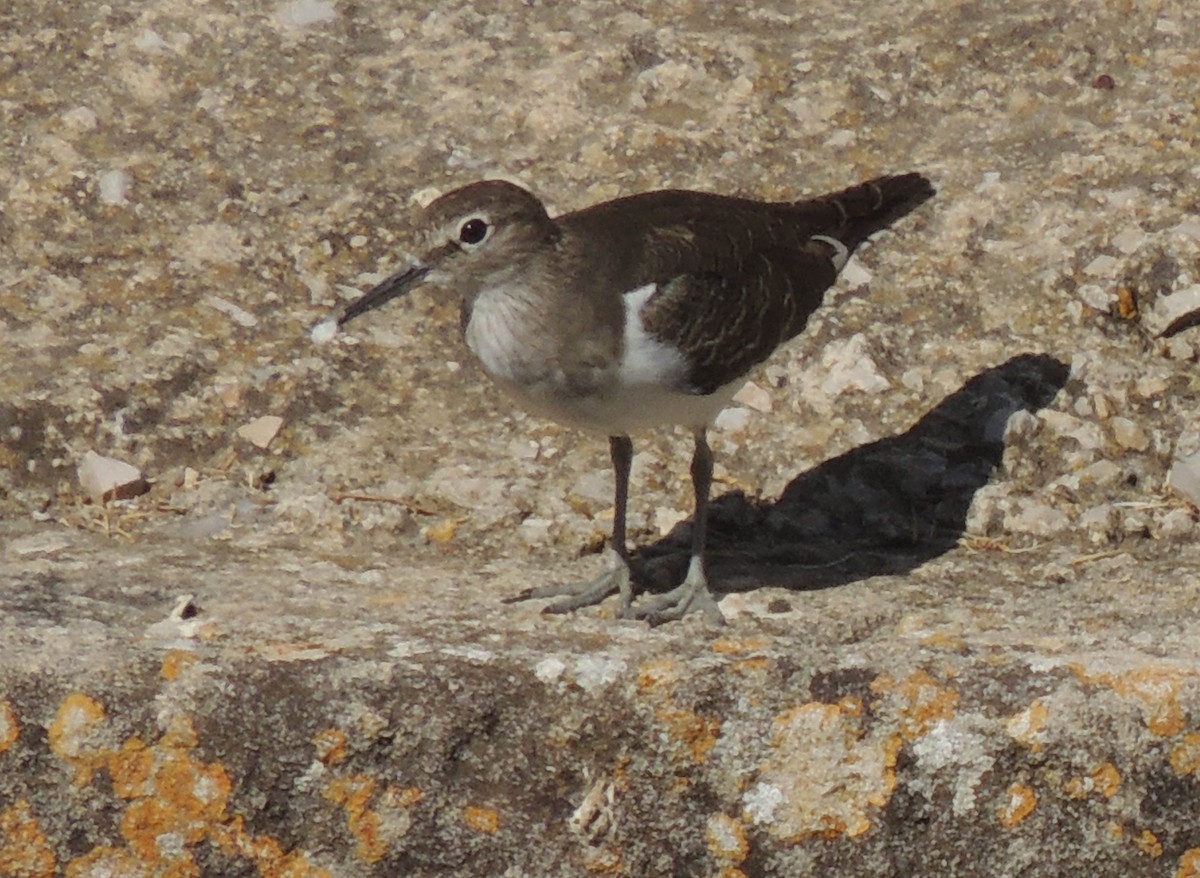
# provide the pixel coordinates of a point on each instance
(176, 661)
(71, 735)
(1104, 779)
(890, 752)
(266, 853)
(943, 640)
(331, 747)
(172, 796)
(401, 797)
(354, 793)
(830, 771)
(1189, 864)
(726, 838)
(923, 702)
(443, 531)
(104, 860)
(695, 732)
(481, 819)
(1156, 689)
(731, 646)
(1021, 802)
(754, 664)
(24, 850)
(657, 673)
(1147, 842)
(1185, 758)
(603, 860)
(1026, 726)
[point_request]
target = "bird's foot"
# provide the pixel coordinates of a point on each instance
(576, 595)
(690, 596)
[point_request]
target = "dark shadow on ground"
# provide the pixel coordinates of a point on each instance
(883, 508)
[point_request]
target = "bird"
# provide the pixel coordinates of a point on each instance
(646, 311)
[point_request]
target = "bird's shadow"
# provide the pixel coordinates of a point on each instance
(883, 508)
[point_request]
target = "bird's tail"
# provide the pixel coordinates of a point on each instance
(876, 204)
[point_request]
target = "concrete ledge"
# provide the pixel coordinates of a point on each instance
(300, 723)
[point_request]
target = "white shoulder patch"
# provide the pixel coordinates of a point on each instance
(646, 360)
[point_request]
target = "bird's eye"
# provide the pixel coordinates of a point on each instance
(473, 231)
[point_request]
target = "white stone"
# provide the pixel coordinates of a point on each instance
(734, 419)
(149, 41)
(1101, 473)
(1188, 228)
(106, 478)
(535, 531)
(1098, 522)
(1168, 309)
(854, 274)
(1102, 265)
(261, 431)
(238, 314)
(753, 396)
(115, 186)
(524, 449)
(1017, 426)
(667, 517)
(1129, 434)
(300, 14)
(1180, 348)
(1086, 433)
(324, 331)
(1184, 477)
(549, 669)
(1097, 297)
(1036, 518)
(1150, 386)
(847, 365)
(1178, 523)
(1129, 240)
(80, 118)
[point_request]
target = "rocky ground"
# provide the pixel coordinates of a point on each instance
(999, 410)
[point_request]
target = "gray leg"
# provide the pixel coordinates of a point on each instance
(616, 581)
(692, 595)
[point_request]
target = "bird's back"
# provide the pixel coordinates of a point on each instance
(733, 277)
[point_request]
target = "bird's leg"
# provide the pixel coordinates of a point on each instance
(617, 579)
(692, 595)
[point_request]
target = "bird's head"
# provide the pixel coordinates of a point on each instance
(473, 237)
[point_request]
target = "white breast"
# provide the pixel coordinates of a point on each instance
(644, 388)
(498, 333)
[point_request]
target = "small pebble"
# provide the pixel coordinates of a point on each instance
(1129, 434)
(324, 331)
(1178, 523)
(261, 431)
(1184, 478)
(754, 397)
(106, 478)
(115, 186)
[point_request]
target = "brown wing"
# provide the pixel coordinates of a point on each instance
(735, 277)
(727, 322)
